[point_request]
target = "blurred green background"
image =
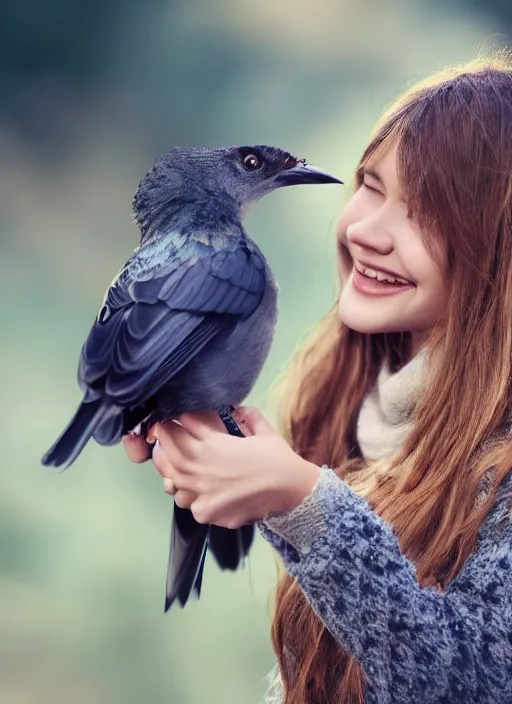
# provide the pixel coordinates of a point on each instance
(91, 93)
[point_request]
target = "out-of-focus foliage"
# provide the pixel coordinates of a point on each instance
(91, 93)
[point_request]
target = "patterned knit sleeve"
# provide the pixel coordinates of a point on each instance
(415, 644)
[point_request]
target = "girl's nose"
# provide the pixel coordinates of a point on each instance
(371, 233)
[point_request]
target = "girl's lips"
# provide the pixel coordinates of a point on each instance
(373, 287)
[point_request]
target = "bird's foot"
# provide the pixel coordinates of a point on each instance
(229, 422)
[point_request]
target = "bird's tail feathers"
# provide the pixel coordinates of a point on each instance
(230, 547)
(72, 441)
(110, 428)
(187, 553)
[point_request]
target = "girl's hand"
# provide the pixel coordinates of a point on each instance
(226, 480)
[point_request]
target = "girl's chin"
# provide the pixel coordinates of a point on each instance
(372, 316)
(366, 323)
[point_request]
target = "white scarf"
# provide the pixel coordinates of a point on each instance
(385, 417)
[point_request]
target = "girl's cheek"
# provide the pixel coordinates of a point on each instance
(341, 230)
(355, 210)
(342, 237)
(344, 262)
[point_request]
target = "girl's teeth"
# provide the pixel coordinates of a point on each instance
(369, 272)
(380, 276)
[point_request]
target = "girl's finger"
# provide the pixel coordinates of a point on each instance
(184, 499)
(252, 421)
(169, 486)
(200, 425)
(136, 448)
(162, 463)
(151, 434)
(176, 442)
(174, 480)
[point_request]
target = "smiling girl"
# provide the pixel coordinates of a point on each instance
(388, 499)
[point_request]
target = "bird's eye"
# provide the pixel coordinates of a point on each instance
(252, 162)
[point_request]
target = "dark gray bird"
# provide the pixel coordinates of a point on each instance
(187, 323)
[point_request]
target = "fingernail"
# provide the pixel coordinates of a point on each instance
(168, 485)
(152, 435)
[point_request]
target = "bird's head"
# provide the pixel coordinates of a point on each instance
(241, 175)
(249, 173)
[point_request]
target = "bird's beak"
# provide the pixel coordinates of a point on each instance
(304, 173)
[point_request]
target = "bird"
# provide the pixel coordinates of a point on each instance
(187, 323)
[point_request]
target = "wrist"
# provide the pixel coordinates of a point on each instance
(295, 485)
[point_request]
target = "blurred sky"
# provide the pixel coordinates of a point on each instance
(91, 94)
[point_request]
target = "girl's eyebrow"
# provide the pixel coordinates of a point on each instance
(372, 173)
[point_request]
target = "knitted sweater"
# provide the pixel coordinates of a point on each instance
(416, 644)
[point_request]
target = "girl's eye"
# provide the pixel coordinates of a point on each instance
(370, 187)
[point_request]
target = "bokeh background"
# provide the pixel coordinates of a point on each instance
(90, 94)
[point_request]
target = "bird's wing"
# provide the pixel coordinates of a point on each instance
(162, 309)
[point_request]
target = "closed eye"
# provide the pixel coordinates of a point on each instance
(370, 187)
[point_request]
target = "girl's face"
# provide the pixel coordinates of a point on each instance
(392, 283)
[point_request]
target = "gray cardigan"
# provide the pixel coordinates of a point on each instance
(416, 644)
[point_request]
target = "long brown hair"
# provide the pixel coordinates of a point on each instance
(454, 138)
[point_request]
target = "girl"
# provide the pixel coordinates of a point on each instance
(398, 559)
